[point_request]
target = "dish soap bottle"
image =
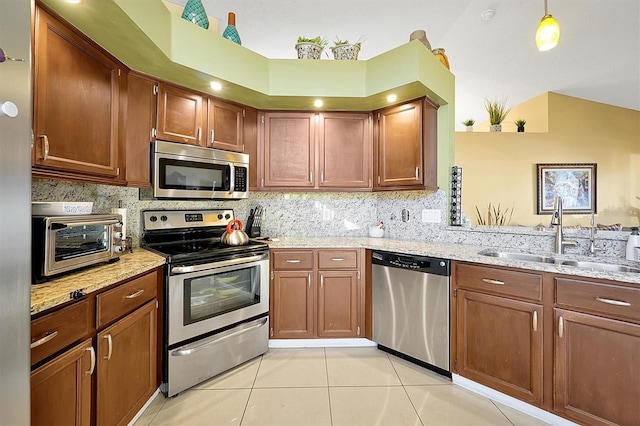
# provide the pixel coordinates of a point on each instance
(634, 241)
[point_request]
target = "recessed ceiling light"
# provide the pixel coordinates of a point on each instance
(215, 85)
(74, 1)
(392, 98)
(318, 103)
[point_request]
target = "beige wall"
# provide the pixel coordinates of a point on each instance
(501, 167)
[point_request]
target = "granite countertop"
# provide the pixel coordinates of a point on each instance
(58, 290)
(464, 252)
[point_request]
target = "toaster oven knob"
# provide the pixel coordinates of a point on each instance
(153, 218)
(117, 234)
(118, 249)
(163, 218)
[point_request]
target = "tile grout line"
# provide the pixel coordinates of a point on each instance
(246, 405)
(501, 412)
(404, 388)
(326, 369)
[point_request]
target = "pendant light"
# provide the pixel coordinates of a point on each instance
(548, 32)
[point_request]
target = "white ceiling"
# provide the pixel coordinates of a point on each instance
(598, 57)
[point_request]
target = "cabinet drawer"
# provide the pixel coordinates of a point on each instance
(59, 329)
(338, 259)
(292, 259)
(525, 285)
(602, 298)
(123, 299)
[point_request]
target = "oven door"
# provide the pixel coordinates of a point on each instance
(206, 298)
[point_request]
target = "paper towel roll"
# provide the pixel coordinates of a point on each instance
(123, 213)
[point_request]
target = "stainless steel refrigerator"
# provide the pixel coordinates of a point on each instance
(15, 210)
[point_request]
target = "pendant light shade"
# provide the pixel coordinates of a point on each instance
(548, 32)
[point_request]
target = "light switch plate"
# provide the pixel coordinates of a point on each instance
(431, 216)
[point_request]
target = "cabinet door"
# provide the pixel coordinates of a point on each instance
(126, 366)
(250, 141)
(399, 146)
(61, 388)
(140, 122)
(180, 115)
(344, 151)
(224, 126)
(289, 139)
(76, 102)
(597, 378)
(499, 344)
(338, 304)
(292, 311)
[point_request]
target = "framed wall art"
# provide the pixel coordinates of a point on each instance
(575, 183)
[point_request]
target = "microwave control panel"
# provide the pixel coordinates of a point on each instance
(240, 181)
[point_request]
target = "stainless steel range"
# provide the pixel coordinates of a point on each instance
(216, 295)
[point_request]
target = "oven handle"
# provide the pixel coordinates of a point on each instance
(195, 347)
(206, 266)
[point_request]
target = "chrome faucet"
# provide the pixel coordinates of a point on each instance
(556, 221)
(592, 237)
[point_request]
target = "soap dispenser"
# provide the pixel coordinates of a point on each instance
(634, 241)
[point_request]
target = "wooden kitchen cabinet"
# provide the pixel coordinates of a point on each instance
(499, 329)
(316, 151)
(61, 388)
(140, 124)
(406, 146)
(225, 125)
(180, 115)
(126, 366)
(76, 105)
(316, 293)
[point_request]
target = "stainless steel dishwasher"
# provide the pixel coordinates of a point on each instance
(411, 308)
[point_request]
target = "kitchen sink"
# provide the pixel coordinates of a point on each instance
(518, 256)
(608, 267)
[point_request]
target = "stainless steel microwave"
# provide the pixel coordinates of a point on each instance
(187, 172)
(65, 243)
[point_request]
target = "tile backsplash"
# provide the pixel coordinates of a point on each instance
(331, 214)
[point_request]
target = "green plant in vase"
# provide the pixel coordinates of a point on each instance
(520, 125)
(343, 49)
(497, 111)
(469, 124)
(310, 48)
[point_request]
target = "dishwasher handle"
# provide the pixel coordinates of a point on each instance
(430, 265)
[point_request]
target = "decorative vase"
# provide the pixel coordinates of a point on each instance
(495, 128)
(521, 129)
(231, 33)
(194, 12)
(309, 50)
(442, 57)
(469, 128)
(346, 52)
(422, 36)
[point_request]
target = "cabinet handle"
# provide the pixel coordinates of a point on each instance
(293, 260)
(134, 295)
(337, 259)
(321, 281)
(262, 182)
(494, 282)
(198, 134)
(535, 320)
(48, 336)
(309, 280)
(92, 352)
(311, 176)
(322, 177)
(213, 135)
(45, 142)
(110, 343)
(417, 173)
(613, 301)
(560, 327)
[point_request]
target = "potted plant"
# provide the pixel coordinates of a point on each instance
(342, 49)
(520, 125)
(497, 113)
(469, 124)
(310, 48)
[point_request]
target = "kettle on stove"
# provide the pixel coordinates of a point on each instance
(234, 235)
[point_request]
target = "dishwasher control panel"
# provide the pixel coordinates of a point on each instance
(431, 265)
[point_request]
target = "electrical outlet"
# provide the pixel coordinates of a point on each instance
(431, 216)
(327, 214)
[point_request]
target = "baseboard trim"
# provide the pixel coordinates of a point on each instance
(514, 403)
(321, 343)
(144, 407)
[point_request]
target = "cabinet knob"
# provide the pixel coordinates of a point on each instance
(8, 109)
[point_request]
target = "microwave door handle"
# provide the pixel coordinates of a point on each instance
(232, 179)
(90, 222)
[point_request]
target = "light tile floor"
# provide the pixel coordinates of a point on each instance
(329, 386)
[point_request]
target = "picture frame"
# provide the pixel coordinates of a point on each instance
(574, 182)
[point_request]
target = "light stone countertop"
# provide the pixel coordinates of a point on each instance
(464, 252)
(57, 291)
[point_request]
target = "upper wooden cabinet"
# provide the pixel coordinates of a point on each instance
(76, 105)
(180, 115)
(225, 126)
(406, 146)
(313, 151)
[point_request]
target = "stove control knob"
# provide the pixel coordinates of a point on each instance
(220, 216)
(163, 218)
(227, 216)
(153, 218)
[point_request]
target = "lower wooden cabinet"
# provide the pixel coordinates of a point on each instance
(597, 369)
(500, 344)
(311, 297)
(126, 376)
(61, 388)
